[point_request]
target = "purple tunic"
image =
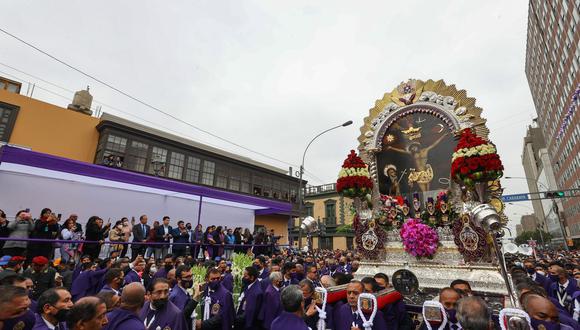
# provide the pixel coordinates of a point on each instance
(87, 283)
(394, 314)
(122, 319)
(39, 324)
(346, 318)
(271, 308)
(289, 321)
(224, 309)
(178, 297)
(24, 322)
(162, 273)
(228, 282)
(250, 305)
(169, 317)
(131, 277)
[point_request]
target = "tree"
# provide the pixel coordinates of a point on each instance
(524, 237)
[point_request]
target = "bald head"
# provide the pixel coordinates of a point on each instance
(449, 297)
(539, 308)
(133, 296)
(327, 281)
(87, 313)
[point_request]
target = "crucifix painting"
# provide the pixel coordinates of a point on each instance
(415, 157)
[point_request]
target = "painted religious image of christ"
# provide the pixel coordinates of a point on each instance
(416, 156)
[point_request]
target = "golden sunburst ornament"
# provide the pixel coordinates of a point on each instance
(390, 138)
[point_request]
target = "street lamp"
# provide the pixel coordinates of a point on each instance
(555, 208)
(301, 173)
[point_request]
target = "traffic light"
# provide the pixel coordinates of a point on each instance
(555, 194)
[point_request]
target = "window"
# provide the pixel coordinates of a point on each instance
(158, 161)
(267, 187)
(192, 170)
(137, 156)
(330, 211)
(176, 165)
(221, 178)
(8, 115)
(245, 187)
(325, 243)
(116, 143)
(208, 173)
(235, 180)
(257, 189)
(276, 186)
(309, 207)
(10, 85)
(349, 243)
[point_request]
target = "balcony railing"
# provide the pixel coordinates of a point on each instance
(317, 190)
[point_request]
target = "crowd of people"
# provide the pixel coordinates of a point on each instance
(113, 239)
(282, 289)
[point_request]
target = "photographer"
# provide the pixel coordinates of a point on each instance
(70, 251)
(46, 228)
(95, 232)
(19, 228)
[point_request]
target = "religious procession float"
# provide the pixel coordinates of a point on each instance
(426, 192)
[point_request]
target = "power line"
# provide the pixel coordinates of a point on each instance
(109, 106)
(139, 100)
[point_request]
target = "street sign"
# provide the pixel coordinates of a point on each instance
(515, 198)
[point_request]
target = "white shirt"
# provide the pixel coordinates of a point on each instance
(48, 324)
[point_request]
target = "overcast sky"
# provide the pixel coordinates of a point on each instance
(270, 75)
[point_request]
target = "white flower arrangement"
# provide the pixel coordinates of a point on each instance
(480, 150)
(344, 172)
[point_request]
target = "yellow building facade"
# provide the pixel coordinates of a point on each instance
(332, 211)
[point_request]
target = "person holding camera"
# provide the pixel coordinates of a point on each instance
(46, 228)
(21, 227)
(70, 251)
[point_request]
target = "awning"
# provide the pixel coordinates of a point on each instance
(35, 180)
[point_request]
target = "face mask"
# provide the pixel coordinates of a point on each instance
(159, 304)
(187, 284)
(214, 285)
(553, 278)
(341, 263)
(332, 268)
(451, 315)
(62, 315)
(539, 324)
(153, 270)
(168, 267)
(293, 276)
(246, 281)
(541, 273)
(257, 267)
(530, 270)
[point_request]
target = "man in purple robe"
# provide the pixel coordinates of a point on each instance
(311, 314)
(159, 312)
(217, 305)
(14, 312)
(289, 272)
(562, 288)
(260, 264)
(114, 280)
(167, 266)
(127, 315)
(79, 267)
(343, 265)
(179, 295)
(88, 282)
(348, 316)
(133, 274)
(250, 301)
(293, 310)
(53, 307)
(227, 278)
(271, 307)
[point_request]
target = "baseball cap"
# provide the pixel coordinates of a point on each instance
(4, 260)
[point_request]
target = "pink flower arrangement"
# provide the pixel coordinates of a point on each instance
(419, 239)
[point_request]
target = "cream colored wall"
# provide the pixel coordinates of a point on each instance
(339, 242)
(50, 129)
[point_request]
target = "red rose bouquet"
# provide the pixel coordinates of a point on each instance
(354, 179)
(475, 160)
